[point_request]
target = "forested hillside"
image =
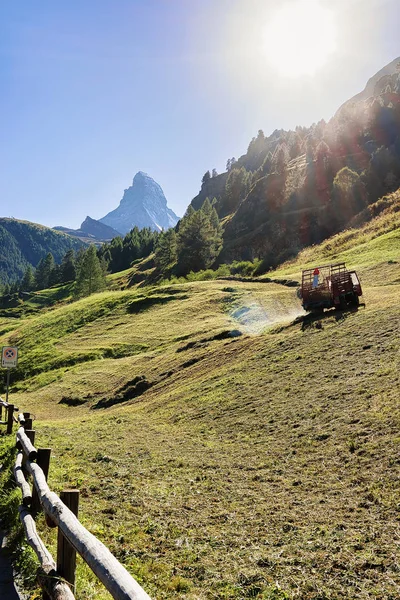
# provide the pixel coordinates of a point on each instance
(23, 244)
(295, 188)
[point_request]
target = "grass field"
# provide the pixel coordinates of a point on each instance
(225, 448)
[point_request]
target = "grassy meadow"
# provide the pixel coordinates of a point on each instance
(224, 446)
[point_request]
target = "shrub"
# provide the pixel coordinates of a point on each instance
(243, 267)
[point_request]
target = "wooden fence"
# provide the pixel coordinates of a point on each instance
(57, 578)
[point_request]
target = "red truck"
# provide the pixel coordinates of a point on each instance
(330, 286)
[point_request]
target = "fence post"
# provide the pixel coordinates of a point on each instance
(30, 434)
(66, 554)
(43, 460)
(10, 416)
(28, 423)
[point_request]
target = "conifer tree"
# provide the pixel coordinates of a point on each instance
(166, 250)
(39, 275)
(28, 280)
(281, 158)
(55, 275)
(206, 178)
(208, 209)
(67, 269)
(90, 276)
(199, 239)
(43, 272)
(206, 206)
(267, 164)
(236, 188)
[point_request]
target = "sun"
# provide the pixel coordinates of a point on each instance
(300, 38)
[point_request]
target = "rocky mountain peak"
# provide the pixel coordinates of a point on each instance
(98, 230)
(142, 174)
(143, 205)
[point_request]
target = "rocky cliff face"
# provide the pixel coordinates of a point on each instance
(144, 205)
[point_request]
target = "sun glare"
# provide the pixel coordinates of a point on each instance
(300, 37)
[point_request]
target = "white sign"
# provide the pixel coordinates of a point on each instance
(9, 357)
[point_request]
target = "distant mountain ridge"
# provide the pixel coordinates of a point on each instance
(143, 205)
(23, 243)
(91, 231)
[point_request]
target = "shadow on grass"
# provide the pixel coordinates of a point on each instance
(315, 320)
(222, 335)
(132, 389)
(73, 401)
(149, 301)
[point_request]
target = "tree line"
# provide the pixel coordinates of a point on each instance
(83, 268)
(295, 188)
(86, 267)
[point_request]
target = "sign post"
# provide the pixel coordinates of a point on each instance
(9, 360)
(8, 384)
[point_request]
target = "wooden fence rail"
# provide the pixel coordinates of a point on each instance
(58, 578)
(51, 583)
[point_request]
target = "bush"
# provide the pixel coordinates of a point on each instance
(263, 266)
(243, 267)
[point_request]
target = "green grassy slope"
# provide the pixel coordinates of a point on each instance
(374, 243)
(259, 465)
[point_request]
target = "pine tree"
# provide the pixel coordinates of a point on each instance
(230, 162)
(90, 276)
(79, 256)
(39, 275)
(206, 206)
(166, 250)
(55, 275)
(68, 270)
(281, 158)
(48, 267)
(208, 209)
(43, 272)
(267, 164)
(236, 188)
(28, 280)
(206, 178)
(199, 241)
(215, 224)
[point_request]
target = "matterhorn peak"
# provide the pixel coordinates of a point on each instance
(143, 205)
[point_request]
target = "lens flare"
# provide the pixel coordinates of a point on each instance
(300, 38)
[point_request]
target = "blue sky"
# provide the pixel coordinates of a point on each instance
(93, 91)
